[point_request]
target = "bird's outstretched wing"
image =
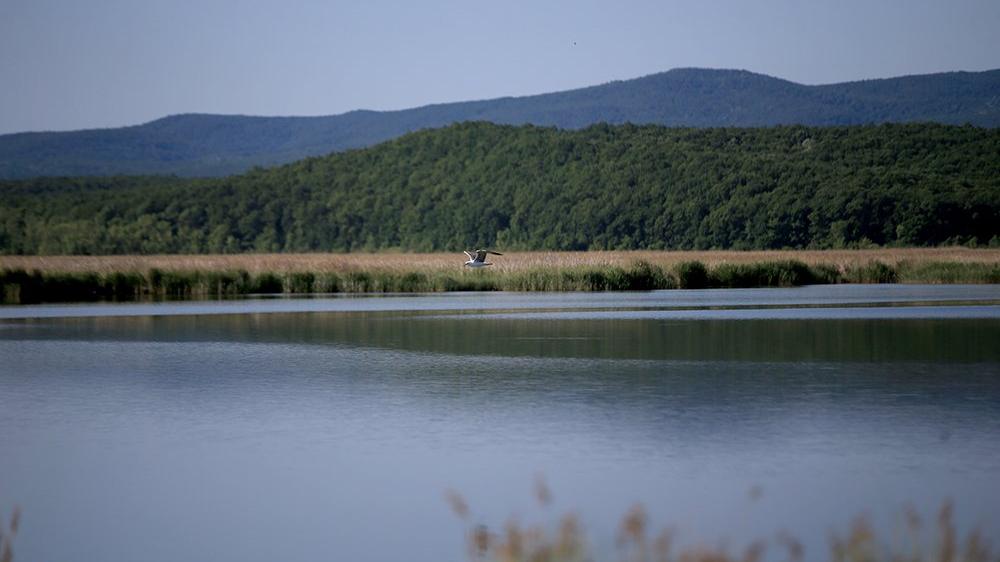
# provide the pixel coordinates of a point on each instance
(468, 253)
(494, 253)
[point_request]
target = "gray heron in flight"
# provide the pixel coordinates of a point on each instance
(478, 258)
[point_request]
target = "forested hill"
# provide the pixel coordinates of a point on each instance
(603, 187)
(215, 145)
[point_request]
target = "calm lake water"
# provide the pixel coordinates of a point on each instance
(331, 428)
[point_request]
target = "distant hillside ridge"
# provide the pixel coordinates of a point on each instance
(623, 187)
(215, 145)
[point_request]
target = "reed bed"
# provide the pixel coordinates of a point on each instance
(31, 279)
(510, 261)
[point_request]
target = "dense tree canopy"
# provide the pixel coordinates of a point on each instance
(603, 187)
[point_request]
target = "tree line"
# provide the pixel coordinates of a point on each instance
(533, 188)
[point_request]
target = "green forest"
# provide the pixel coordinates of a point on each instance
(532, 188)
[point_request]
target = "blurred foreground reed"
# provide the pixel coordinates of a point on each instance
(637, 541)
(7, 534)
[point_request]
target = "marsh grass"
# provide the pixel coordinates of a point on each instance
(637, 541)
(691, 275)
(122, 278)
(785, 273)
(949, 272)
(20, 286)
(871, 272)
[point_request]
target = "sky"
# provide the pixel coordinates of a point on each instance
(75, 64)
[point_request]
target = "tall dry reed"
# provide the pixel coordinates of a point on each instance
(512, 261)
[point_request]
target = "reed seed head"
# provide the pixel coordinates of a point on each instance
(457, 504)
(633, 526)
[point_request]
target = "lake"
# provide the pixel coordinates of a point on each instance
(331, 428)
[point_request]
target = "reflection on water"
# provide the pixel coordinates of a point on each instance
(311, 435)
(798, 298)
(936, 339)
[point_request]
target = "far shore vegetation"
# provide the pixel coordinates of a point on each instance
(622, 187)
(36, 279)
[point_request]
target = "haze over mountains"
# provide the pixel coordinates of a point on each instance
(214, 145)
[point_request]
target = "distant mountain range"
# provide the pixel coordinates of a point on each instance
(215, 145)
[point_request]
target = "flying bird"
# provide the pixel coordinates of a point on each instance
(478, 259)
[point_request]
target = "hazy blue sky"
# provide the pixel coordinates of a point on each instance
(70, 64)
